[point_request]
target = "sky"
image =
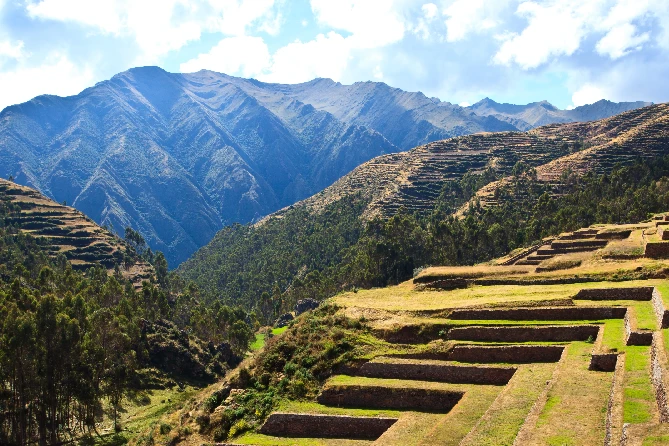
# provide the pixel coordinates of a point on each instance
(569, 52)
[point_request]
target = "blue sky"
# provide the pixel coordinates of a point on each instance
(570, 52)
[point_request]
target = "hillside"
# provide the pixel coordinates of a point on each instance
(395, 213)
(179, 156)
(567, 343)
(414, 179)
(68, 232)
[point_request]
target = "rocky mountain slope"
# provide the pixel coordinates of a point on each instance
(178, 156)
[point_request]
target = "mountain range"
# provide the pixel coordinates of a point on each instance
(179, 156)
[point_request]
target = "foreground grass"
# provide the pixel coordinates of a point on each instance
(502, 421)
(574, 413)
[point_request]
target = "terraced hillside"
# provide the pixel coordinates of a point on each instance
(414, 179)
(562, 343)
(70, 232)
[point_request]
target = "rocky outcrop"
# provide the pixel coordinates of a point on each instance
(305, 305)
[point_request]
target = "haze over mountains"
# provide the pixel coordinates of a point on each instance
(178, 156)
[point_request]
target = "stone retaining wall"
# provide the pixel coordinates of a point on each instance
(524, 334)
(412, 334)
(379, 397)
(617, 235)
(662, 233)
(603, 362)
(634, 337)
(511, 354)
(657, 361)
(661, 312)
(657, 250)
(456, 374)
(325, 426)
(573, 244)
(637, 293)
(540, 314)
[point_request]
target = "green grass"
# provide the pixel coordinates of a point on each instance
(638, 398)
(614, 335)
(656, 440)
(643, 310)
(278, 331)
(663, 288)
(259, 341)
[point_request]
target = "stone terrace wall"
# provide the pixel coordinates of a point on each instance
(540, 314)
(511, 354)
(603, 362)
(634, 337)
(325, 426)
(614, 235)
(657, 250)
(412, 334)
(661, 312)
(437, 372)
(524, 334)
(638, 293)
(379, 397)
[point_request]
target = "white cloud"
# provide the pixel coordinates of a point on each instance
(243, 55)
(325, 56)
(23, 83)
(467, 16)
(372, 24)
(554, 28)
(464, 104)
(621, 40)
(430, 11)
(161, 26)
(588, 94)
(12, 50)
(233, 17)
(102, 14)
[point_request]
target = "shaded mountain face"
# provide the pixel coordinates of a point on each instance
(178, 156)
(526, 117)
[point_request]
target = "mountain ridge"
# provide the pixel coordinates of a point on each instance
(179, 156)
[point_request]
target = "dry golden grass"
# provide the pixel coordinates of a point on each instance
(404, 297)
(474, 272)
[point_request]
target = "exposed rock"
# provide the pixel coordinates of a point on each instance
(283, 320)
(305, 305)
